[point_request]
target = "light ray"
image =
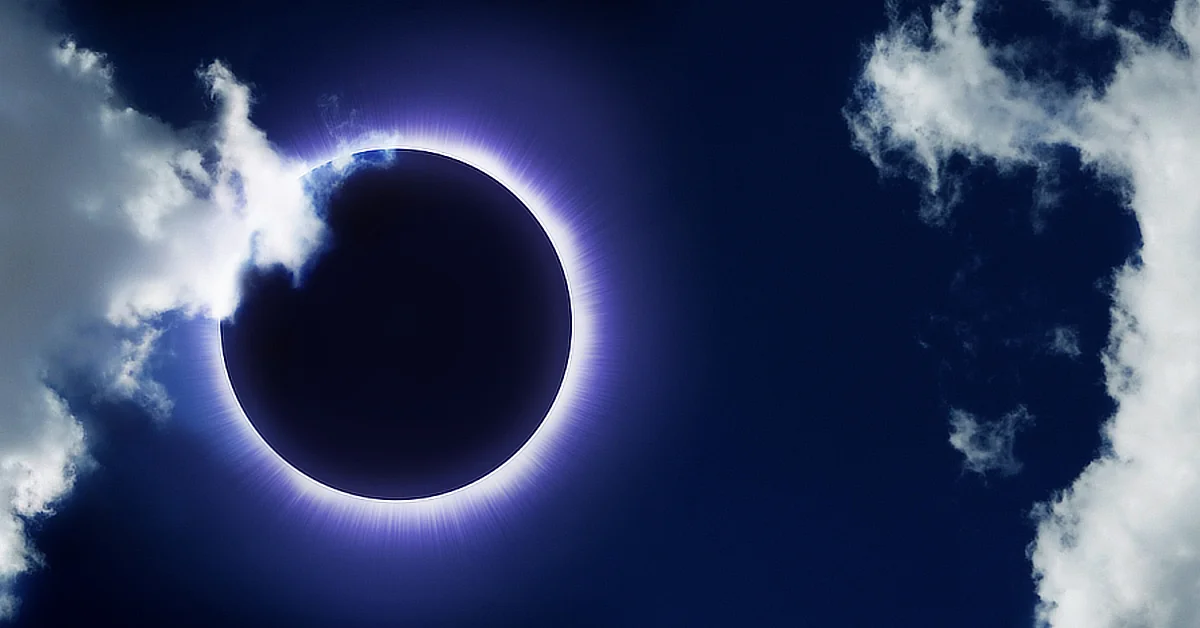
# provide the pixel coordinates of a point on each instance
(489, 497)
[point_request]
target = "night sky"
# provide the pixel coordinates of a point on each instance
(787, 335)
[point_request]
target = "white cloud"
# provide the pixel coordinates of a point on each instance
(988, 446)
(1121, 545)
(1064, 340)
(109, 218)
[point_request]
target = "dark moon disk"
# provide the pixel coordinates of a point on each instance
(422, 348)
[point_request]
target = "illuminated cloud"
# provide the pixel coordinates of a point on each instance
(1121, 545)
(108, 219)
(987, 447)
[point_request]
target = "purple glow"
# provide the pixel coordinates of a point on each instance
(484, 499)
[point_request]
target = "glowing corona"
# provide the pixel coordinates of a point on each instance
(484, 498)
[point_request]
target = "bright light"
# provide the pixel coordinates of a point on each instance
(483, 498)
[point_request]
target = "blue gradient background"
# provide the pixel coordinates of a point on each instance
(772, 450)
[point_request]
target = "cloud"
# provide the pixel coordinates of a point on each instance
(1121, 545)
(988, 447)
(108, 219)
(1064, 340)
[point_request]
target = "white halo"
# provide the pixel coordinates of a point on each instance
(492, 491)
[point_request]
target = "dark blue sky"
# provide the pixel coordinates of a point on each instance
(773, 450)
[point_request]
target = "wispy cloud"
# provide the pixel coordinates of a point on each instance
(987, 446)
(109, 218)
(1064, 340)
(1121, 545)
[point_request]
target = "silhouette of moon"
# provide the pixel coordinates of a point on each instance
(421, 348)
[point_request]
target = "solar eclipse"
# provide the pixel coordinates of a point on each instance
(522, 298)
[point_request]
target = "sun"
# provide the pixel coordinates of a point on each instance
(488, 496)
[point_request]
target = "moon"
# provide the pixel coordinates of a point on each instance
(422, 348)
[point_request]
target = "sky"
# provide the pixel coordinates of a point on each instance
(891, 311)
